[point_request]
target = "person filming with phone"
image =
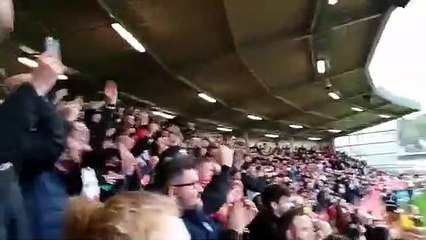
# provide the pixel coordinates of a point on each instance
(32, 134)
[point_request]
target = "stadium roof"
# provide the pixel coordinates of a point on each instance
(254, 57)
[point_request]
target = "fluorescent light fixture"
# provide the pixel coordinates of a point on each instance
(384, 116)
(334, 95)
(296, 126)
(272, 135)
(126, 35)
(332, 2)
(224, 129)
(207, 97)
(334, 130)
(28, 62)
(321, 66)
(357, 109)
(314, 139)
(62, 77)
(254, 117)
(28, 50)
(163, 114)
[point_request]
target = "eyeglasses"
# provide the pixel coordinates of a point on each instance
(193, 184)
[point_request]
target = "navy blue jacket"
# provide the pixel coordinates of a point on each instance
(198, 222)
(201, 226)
(46, 198)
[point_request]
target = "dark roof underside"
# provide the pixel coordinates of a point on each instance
(255, 57)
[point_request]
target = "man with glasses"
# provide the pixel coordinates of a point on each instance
(176, 175)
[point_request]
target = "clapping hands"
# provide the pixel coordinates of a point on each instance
(241, 214)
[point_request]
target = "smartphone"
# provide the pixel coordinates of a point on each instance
(53, 47)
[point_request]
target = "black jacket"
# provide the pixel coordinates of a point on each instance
(33, 135)
(253, 184)
(98, 130)
(265, 226)
(214, 195)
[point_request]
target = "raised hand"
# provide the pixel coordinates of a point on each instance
(111, 92)
(71, 111)
(46, 74)
(226, 156)
(128, 161)
(112, 177)
(241, 214)
(60, 94)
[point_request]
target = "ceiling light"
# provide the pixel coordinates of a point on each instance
(163, 114)
(357, 109)
(296, 126)
(224, 129)
(321, 66)
(314, 139)
(272, 135)
(384, 116)
(28, 62)
(207, 97)
(334, 95)
(28, 50)
(126, 35)
(332, 2)
(254, 117)
(334, 130)
(62, 77)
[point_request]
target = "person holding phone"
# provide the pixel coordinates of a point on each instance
(33, 135)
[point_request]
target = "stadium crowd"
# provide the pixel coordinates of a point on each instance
(87, 171)
(75, 170)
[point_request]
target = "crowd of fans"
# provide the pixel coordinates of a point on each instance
(88, 171)
(75, 170)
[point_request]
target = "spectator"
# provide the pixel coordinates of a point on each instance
(176, 176)
(276, 202)
(33, 139)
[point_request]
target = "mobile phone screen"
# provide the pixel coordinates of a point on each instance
(53, 47)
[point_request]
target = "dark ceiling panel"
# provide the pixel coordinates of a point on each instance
(298, 96)
(350, 10)
(177, 32)
(335, 109)
(61, 14)
(350, 44)
(311, 121)
(255, 21)
(280, 63)
(352, 83)
(255, 57)
(226, 78)
(266, 105)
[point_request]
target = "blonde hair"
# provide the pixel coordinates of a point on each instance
(127, 216)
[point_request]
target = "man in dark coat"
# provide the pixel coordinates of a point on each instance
(32, 140)
(267, 223)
